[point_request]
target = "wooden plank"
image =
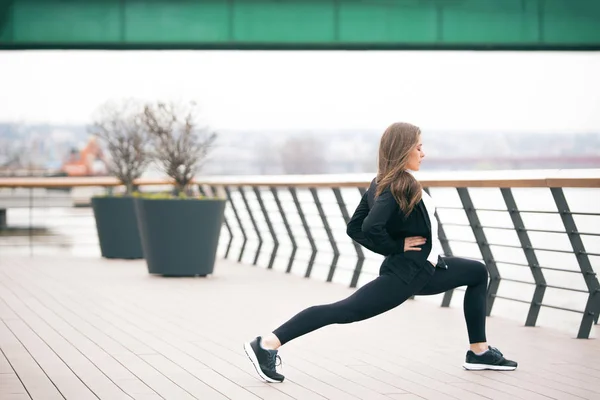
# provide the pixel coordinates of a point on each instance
(555, 381)
(61, 375)
(404, 384)
(5, 311)
(159, 338)
(153, 378)
(264, 393)
(16, 397)
(155, 346)
(434, 364)
(405, 396)
(11, 385)
(37, 383)
(229, 354)
(85, 371)
(147, 374)
(103, 358)
(183, 378)
(239, 377)
(5, 367)
(339, 368)
(341, 382)
(191, 359)
(486, 391)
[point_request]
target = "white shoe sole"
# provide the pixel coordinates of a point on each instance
(254, 360)
(481, 367)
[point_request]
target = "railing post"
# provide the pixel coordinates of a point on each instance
(269, 225)
(447, 252)
(3, 220)
(313, 246)
(214, 192)
(592, 306)
(484, 247)
(253, 221)
(336, 252)
(239, 221)
(536, 271)
(287, 228)
(359, 253)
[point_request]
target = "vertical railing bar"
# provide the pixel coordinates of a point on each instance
(447, 299)
(287, 228)
(309, 236)
(269, 225)
(253, 221)
(592, 307)
(214, 191)
(239, 221)
(484, 247)
(536, 272)
(336, 252)
(359, 253)
(3, 218)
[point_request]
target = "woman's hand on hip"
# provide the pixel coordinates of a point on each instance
(411, 243)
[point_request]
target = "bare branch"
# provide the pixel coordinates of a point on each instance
(119, 126)
(180, 143)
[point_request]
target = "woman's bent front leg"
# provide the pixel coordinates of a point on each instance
(472, 274)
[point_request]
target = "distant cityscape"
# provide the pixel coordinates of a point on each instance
(46, 148)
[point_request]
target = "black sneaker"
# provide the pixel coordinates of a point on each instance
(491, 359)
(264, 361)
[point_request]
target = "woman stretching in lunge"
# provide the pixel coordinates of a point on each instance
(395, 218)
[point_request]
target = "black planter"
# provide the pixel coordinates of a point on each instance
(180, 237)
(117, 227)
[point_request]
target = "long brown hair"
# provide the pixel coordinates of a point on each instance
(396, 143)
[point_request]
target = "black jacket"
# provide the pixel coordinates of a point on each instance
(380, 226)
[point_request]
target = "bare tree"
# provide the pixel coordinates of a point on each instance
(180, 143)
(303, 155)
(119, 126)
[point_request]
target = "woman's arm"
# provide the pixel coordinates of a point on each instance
(367, 227)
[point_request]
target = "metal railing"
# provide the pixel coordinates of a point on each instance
(537, 233)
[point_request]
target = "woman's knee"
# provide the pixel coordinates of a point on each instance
(480, 272)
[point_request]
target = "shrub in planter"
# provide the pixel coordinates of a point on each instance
(119, 126)
(179, 230)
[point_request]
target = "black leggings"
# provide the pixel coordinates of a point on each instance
(388, 291)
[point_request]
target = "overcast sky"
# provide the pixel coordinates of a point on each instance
(458, 91)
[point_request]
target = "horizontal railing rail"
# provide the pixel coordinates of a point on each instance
(492, 179)
(536, 231)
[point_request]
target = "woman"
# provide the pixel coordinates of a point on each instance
(395, 218)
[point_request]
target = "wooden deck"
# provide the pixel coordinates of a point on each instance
(78, 328)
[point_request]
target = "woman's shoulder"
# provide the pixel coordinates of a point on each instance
(374, 185)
